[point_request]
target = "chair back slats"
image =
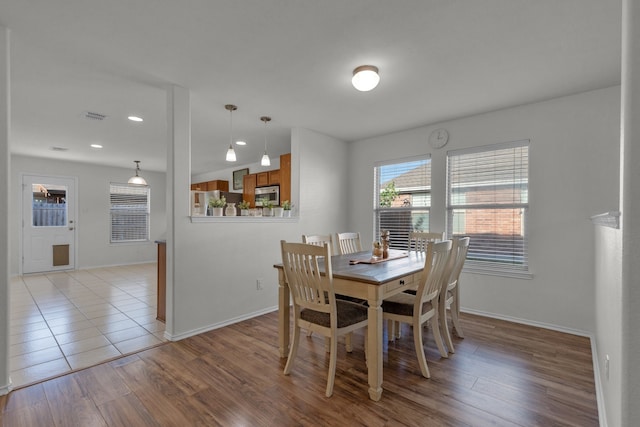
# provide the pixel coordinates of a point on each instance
(418, 240)
(458, 256)
(434, 273)
(319, 240)
(310, 287)
(349, 243)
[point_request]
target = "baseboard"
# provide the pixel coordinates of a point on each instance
(594, 352)
(183, 335)
(6, 389)
(528, 322)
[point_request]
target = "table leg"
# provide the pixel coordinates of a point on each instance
(374, 350)
(283, 315)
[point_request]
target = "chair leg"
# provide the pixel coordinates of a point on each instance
(391, 336)
(327, 344)
(332, 365)
(444, 329)
(348, 342)
(398, 329)
(293, 350)
(438, 337)
(417, 342)
(455, 320)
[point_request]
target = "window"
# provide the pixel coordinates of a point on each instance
(488, 200)
(402, 198)
(129, 213)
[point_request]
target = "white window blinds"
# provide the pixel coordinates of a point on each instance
(129, 213)
(488, 200)
(402, 198)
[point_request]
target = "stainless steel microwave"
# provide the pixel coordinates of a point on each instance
(270, 193)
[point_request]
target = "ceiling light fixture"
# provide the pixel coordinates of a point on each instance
(96, 146)
(365, 78)
(265, 157)
(135, 118)
(231, 154)
(137, 179)
(241, 143)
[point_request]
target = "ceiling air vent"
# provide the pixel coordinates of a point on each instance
(93, 116)
(54, 148)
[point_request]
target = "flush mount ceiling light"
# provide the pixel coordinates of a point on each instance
(135, 118)
(137, 179)
(365, 78)
(241, 143)
(265, 157)
(231, 154)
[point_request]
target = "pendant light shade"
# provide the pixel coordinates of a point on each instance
(137, 179)
(365, 78)
(231, 154)
(265, 157)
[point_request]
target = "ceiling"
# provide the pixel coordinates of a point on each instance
(288, 59)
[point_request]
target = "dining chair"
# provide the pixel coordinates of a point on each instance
(315, 305)
(319, 240)
(417, 309)
(450, 292)
(349, 243)
(418, 240)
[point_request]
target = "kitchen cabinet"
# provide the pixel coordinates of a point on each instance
(217, 184)
(274, 177)
(262, 179)
(249, 188)
(285, 177)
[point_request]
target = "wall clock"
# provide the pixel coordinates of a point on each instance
(438, 138)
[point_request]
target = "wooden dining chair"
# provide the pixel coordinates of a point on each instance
(319, 240)
(450, 292)
(417, 309)
(314, 301)
(418, 240)
(349, 243)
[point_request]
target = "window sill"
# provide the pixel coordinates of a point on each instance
(501, 273)
(244, 219)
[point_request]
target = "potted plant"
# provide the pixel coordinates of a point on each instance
(267, 208)
(217, 206)
(286, 205)
(244, 208)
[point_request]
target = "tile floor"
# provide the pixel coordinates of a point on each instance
(64, 321)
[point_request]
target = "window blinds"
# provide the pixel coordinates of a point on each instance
(129, 213)
(488, 200)
(402, 198)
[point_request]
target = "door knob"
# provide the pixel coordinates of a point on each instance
(70, 228)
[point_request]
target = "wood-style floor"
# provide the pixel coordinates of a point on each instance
(502, 374)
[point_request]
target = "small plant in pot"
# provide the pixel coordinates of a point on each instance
(217, 206)
(244, 208)
(267, 208)
(286, 205)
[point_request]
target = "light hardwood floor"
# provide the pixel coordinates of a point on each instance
(502, 374)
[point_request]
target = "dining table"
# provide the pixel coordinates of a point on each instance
(360, 276)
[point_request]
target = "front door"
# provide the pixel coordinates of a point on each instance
(48, 223)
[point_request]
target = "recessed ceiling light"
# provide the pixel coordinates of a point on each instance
(54, 148)
(241, 143)
(135, 118)
(96, 146)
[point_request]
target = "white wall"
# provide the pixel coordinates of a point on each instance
(573, 175)
(216, 264)
(93, 219)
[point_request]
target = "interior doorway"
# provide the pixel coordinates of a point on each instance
(48, 223)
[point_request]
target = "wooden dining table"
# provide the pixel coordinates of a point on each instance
(371, 281)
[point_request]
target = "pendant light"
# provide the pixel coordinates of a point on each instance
(137, 179)
(265, 157)
(231, 154)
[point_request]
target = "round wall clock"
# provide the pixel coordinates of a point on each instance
(438, 138)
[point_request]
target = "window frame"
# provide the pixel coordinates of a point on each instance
(495, 266)
(400, 243)
(114, 213)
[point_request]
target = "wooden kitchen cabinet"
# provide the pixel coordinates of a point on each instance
(274, 177)
(262, 179)
(218, 185)
(249, 188)
(199, 186)
(285, 177)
